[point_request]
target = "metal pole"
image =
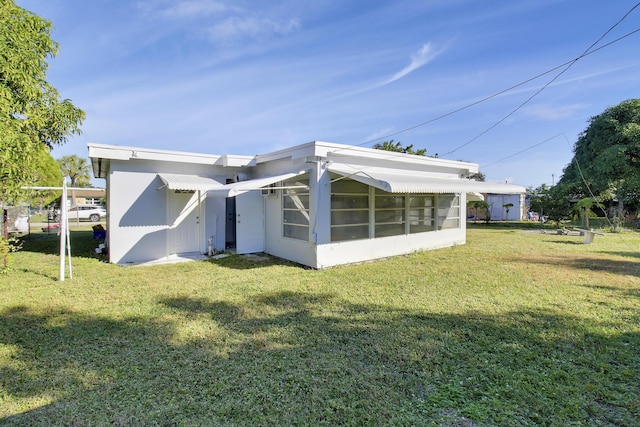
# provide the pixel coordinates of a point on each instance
(63, 228)
(69, 251)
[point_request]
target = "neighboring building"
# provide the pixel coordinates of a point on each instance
(318, 204)
(499, 212)
(86, 196)
(497, 209)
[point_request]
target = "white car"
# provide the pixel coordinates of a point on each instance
(92, 213)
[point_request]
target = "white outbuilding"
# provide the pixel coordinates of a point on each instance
(318, 204)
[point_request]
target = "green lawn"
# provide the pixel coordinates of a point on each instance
(514, 328)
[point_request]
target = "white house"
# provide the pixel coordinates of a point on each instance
(497, 206)
(319, 204)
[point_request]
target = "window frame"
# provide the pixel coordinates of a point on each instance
(289, 194)
(432, 220)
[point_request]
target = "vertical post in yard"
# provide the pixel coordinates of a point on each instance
(5, 233)
(63, 227)
(69, 250)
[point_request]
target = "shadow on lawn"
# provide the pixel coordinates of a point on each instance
(622, 254)
(296, 358)
(624, 267)
(82, 243)
(253, 261)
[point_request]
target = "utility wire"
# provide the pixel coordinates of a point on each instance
(486, 98)
(593, 197)
(566, 68)
(520, 152)
(587, 52)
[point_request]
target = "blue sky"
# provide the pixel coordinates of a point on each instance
(249, 77)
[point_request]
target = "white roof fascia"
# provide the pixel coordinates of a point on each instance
(231, 160)
(116, 152)
(295, 152)
(368, 157)
(399, 182)
(338, 152)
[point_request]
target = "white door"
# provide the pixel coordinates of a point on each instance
(183, 223)
(249, 223)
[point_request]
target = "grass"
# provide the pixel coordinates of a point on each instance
(514, 328)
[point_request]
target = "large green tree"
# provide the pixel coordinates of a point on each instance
(48, 174)
(550, 202)
(33, 116)
(607, 157)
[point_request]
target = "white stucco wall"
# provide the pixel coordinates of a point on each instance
(333, 254)
(138, 210)
(499, 213)
(337, 253)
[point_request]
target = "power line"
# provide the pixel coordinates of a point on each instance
(566, 68)
(522, 151)
(496, 94)
(596, 199)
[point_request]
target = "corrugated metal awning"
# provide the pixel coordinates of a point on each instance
(417, 182)
(188, 182)
(237, 188)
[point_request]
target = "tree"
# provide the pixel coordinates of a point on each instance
(33, 117)
(607, 157)
(398, 148)
(584, 209)
(48, 175)
(475, 204)
(77, 169)
(553, 202)
(478, 176)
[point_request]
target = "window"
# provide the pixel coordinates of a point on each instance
(295, 208)
(92, 201)
(362, 212)
(269, 190)
(448, 211)
(349, 210)
(421, 213)
(389, 214)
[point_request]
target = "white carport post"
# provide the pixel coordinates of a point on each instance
(65, 241)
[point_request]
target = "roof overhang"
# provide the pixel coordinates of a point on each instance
(420, 182)
(237, 188)
(188, 182)
(212, 187)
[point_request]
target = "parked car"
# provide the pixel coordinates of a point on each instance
(92, 213)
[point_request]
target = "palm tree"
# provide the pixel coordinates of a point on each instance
(78, 170)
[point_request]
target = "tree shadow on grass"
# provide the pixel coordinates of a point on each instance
(293, 358)
(253, 261)
(597, 264)
(625, 254)
(82, 243)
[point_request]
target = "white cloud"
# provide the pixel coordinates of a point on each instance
(234, 28)
(423, 56)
